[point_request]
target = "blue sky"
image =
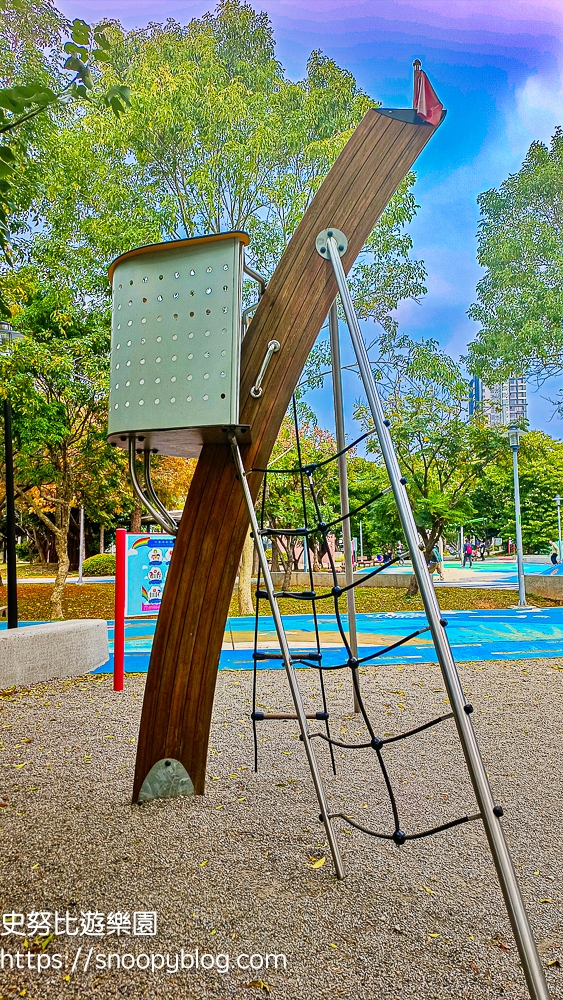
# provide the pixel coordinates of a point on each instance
(497, 66)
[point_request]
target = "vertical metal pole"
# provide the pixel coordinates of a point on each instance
(290, 670)
(361, 540)
(558, 502)
(522, 603)
(490, 814)
(119, 613)
(343, 481)
(11, 570)
(81, 546)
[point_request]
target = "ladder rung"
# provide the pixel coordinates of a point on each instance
(284, 532)
(262, 716)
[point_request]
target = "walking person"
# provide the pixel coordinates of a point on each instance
(553, 552)
(467, 554)
(400, 553)
(482, 549)
(437, 562)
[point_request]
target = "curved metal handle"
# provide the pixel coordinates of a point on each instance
(273, 348)
(167, 525)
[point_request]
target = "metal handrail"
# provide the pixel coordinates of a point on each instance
(139, 491)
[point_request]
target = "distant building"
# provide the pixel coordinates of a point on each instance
(504, 403)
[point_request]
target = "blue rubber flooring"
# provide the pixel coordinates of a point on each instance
(474, 635)
(506, 571)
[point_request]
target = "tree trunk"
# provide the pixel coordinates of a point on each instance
(136, 513)
(413, 584)
(39, 550)
(61, 542)
(102, 543)
(244, 591)
(287, 575)
(317, 563)
(275, 555)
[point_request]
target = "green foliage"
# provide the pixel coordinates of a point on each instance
(541, 479)
(100, 565)
(386, 273)
(35, 81)
(367, 478)
(284, 502)
(520, 298)
(442, 453)
(217, 138)
(56, 378)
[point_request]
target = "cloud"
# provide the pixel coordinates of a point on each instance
(539, 106)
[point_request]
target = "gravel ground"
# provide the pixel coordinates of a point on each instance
(233, 873)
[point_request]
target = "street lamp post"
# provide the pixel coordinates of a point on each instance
(7, 337)
(514, 442)
(558, 502)
(81, 545)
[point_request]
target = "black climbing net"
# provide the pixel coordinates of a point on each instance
(314, 658)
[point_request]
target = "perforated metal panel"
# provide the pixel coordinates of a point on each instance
(175, 355)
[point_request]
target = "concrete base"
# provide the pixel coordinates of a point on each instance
(58, 649)
(544, 586)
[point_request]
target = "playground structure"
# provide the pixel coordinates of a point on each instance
(181, 680)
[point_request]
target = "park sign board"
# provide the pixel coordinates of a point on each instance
(146, 567)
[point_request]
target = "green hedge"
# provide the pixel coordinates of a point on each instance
(102, 565)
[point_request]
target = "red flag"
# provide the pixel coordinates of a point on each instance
(425, 100)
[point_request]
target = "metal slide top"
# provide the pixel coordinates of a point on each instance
(176, 334)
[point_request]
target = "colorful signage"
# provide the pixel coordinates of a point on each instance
(146, 565)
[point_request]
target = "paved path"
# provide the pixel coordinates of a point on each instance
(474, 635)
(70, 579)
(492, 573)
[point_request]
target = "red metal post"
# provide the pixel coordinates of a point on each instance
(119, 617)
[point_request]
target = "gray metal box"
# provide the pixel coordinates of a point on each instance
(175, 352)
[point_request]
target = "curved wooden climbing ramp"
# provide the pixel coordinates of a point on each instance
(183, 668)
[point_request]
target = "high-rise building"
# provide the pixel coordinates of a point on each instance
(504, 403)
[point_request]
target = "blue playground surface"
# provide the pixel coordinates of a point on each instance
(474, 635)
(504, 570)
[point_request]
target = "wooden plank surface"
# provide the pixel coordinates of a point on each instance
(181, 681)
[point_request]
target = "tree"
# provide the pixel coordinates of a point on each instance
(57, 381)
(520, 244)
(216, 137)
(244, 588)
(37, 79)
(229, 142)
(442, 453)
(541, 477)
(283, 505)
